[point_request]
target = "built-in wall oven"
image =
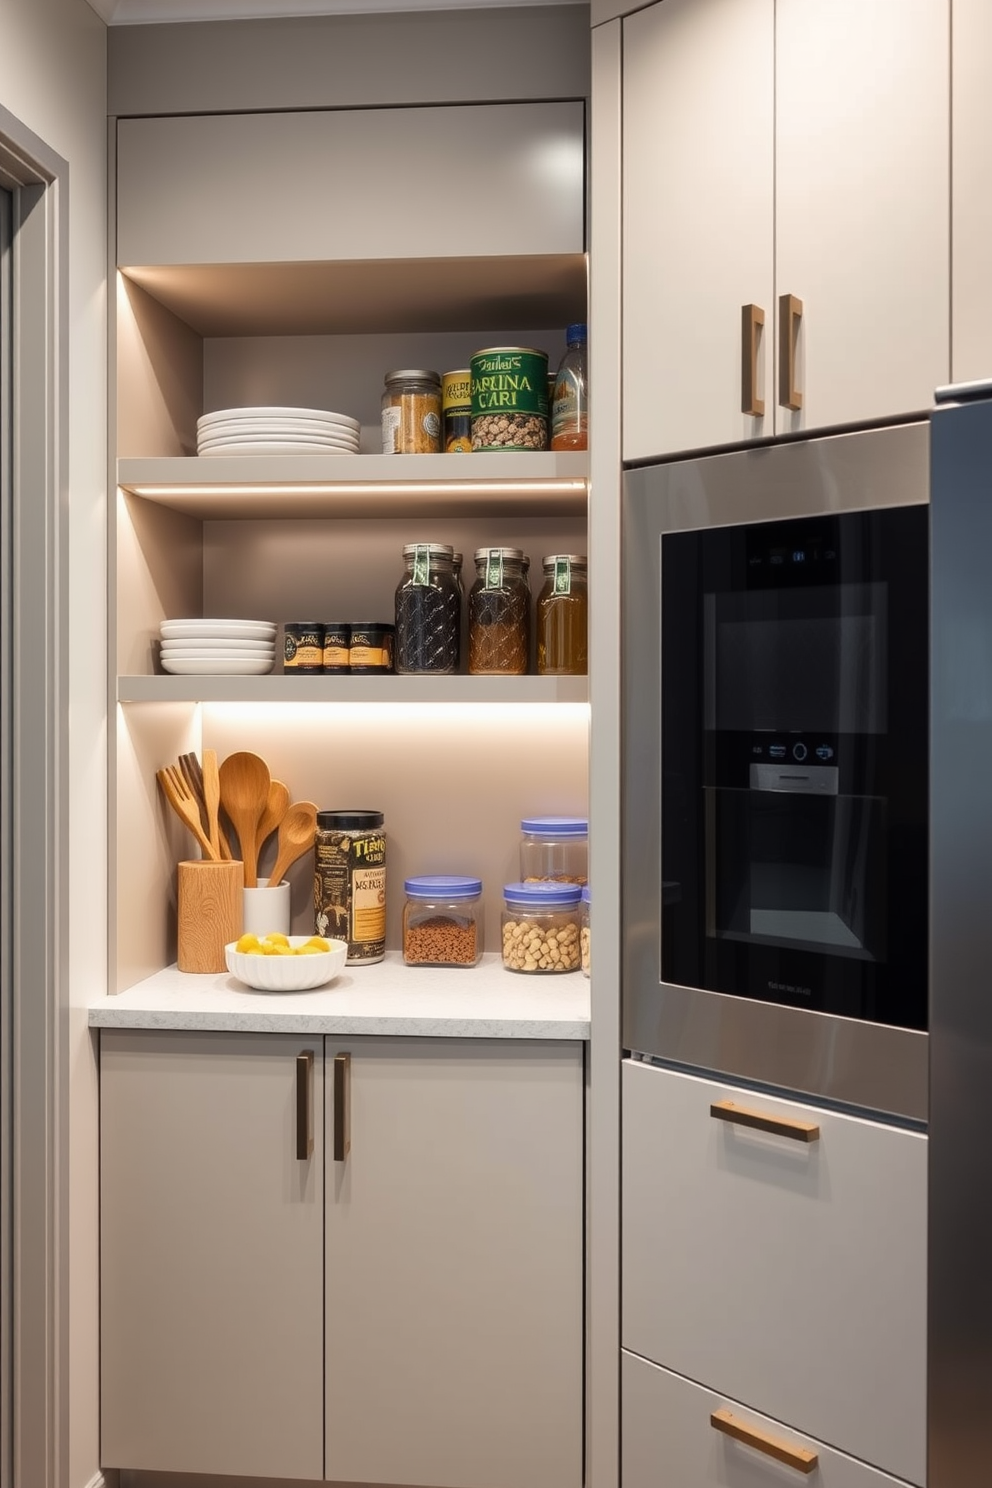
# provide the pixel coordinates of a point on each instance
(775, 737)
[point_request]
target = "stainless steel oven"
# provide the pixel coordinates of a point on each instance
(776, 703)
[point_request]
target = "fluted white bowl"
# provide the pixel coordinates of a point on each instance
(287, 973)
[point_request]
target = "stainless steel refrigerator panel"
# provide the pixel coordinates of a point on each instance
(960, 1230)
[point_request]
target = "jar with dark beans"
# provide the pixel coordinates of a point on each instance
(499, 614)
(428, 611)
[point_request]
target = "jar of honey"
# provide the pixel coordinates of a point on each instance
(563, 617)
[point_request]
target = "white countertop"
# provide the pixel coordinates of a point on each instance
(485, 1001)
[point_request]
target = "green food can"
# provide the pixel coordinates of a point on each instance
(509, 398)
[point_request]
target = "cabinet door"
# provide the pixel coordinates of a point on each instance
(454, 1264)
(971, 166)
(211, 1255)
(789, 1273)
(697, 220)
(862, 142)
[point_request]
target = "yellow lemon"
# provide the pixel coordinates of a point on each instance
(276, 937)
(248, 943)
(317, 943)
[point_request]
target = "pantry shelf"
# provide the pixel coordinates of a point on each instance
(249, 487)
(283, 689)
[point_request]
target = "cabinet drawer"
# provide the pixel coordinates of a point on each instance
(350, 184)
(781, 1271)
(668, 1437)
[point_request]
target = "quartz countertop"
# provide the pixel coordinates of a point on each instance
(484, 1001)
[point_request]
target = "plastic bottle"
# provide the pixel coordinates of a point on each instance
(570, 408)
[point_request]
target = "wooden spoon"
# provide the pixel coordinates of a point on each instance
(296, 834)
(275, 810)
(244, 792)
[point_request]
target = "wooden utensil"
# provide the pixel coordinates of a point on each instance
(296, 834)
(275, 810)
(183, 803)
(244, 792)
(211, 798)
(189, 768)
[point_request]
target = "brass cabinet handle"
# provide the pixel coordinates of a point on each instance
(790, 313)
(779, 1126)
(752, 320)
(304, 1105)
(800, 1458)
(342, 1106)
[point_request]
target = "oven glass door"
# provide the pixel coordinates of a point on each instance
(794, 762)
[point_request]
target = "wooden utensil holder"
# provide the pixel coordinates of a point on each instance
(210, 912)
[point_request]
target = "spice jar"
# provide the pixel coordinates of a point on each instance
(411, 413)
(442, 921)
(584, 937)
(541, 927)
(554, 849)
(499, 614)
(428, 611)
(303, 646)
(349, 886)
(563, 617)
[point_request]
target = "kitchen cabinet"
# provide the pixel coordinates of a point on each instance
(971, 171)
(413, 1286)
(211, 1238)
(793, 159)
(799, 1235)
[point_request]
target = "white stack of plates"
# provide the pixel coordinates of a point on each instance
(241, 648)
(276, 431)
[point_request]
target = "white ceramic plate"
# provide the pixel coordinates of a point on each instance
(211, 643)
(219, 657)
(287, 973)
(275, 449)
(261, 630)
(201, 666)
(293, 426)
(220, 414)
(249, 439)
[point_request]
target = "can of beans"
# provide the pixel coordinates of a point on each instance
(349, 883)
(456, 412)
(337, 641)
(303, 646)
(371, 647)
(509, 398)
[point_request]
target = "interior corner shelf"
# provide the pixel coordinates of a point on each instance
(279, 688)
(372, 485)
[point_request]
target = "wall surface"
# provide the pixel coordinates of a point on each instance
(53, 80)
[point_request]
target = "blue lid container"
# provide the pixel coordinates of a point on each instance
(555, 826)
(542, 895)
(442, 886)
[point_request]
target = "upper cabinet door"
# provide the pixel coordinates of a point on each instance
(698, 115)
(862, 203)
(352, 184)
(971, 226)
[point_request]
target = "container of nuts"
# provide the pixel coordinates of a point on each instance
(442, 921)
(541, 927)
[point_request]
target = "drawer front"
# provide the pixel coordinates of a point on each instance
(669, 1437)
(780, 1270)
(350, 184)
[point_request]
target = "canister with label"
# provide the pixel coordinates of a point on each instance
(411, 413)
(456, 411)
(510, 399)
(303, 647)
(349, 886)
(337, 640)
(371, 647)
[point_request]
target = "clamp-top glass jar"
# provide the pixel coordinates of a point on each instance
(428, 611)
(499, 614)
(563, 617)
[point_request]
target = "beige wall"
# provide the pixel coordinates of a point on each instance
(53, 80)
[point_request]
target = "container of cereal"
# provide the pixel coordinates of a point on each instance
(585, 940)
(541, 927)
(442, 921)
(349, 887)
(510, 399)
(411, 413)
(555, 848)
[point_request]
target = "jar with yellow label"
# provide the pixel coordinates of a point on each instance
(411, 413)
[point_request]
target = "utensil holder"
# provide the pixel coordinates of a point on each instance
(210, 912)
(267, 909)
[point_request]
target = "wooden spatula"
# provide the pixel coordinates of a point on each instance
(244, 793)
(296, 834)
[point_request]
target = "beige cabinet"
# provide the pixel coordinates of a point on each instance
(786, 215)
(454, 1263)
(971, 168)
(212, 1232)
(777, 1252)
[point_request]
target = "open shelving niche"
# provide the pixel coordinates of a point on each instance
(454, 762)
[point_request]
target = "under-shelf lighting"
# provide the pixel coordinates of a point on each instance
(410, 491)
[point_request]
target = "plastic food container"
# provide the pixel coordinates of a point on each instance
(584, 938)
(554, 848)
(541, 927)
(442, 921)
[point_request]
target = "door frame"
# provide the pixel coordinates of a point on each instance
(34, 826)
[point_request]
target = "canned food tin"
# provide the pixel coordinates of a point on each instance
(456, 412)
(337, 639)
(303, 646)
(349, 884)
(509, 399)
(371, 647)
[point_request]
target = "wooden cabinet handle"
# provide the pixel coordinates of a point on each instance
(790, 313)
(779, 1126)
(800, 1458)
(342, 1106)
(304, 1105)
(752, 320)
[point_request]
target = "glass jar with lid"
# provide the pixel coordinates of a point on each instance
(442, 921)
(555, 849)
(499, 614)
(428, 611)
(540, 929)
(411, 413)
(585, 939)
(563, 617)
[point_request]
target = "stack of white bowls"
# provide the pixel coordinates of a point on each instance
(276, 431)
(242, 648)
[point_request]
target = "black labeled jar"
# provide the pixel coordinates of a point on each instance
(303, 646)
(349, 883)
(499, 614)
(428, 611)
(372, 647)
(337, 641)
